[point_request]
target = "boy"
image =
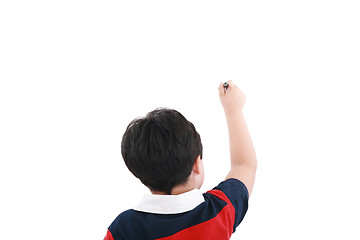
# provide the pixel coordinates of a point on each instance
(164, 151)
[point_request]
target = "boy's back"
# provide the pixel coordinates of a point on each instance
(165, 152)
(192, 215)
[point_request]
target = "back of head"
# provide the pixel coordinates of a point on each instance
(161, 148)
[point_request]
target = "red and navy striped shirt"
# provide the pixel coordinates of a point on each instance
(212, 215)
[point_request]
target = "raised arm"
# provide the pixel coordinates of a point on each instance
(242, 152)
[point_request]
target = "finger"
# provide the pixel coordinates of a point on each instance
(221, 89)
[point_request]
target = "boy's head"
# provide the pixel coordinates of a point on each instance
(161, 149)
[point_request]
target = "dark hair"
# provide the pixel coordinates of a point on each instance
(161, 148)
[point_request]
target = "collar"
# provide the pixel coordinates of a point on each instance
(170, 204)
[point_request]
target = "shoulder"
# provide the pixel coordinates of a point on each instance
(121, 219)
(233, 193)
(124, 215)
(231, 189)
(233, 186)
(127, 217)
(125, 221)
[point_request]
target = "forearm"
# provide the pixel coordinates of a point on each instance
(242, 150)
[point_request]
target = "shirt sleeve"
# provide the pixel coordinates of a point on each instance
(238, 195)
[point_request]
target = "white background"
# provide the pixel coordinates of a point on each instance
(74, 73)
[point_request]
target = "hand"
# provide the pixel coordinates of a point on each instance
(232, 100)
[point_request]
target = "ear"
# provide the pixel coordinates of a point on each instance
(197, 165)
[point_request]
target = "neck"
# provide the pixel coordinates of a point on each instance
(176, 190)
(194, 181)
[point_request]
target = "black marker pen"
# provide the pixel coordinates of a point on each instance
(225, 85)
